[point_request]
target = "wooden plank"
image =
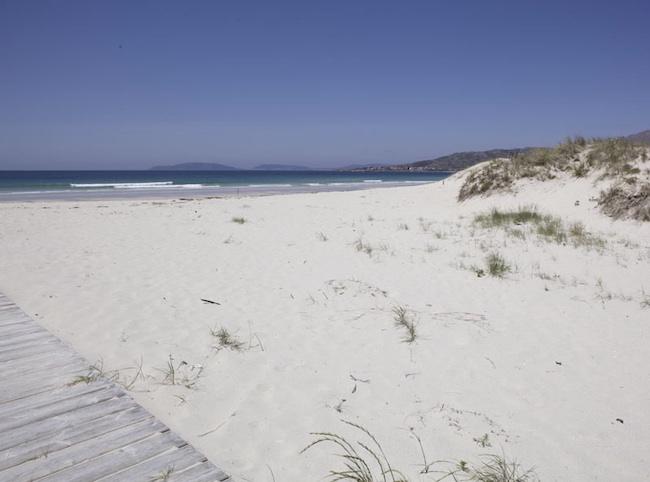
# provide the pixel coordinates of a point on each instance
(16, 354)
(205, 472)
(169, 462)
(14, 319)
(124, 457)
(28, 343)
(18, 328)
(84, 451)
(70, 435)
(115, 407)
(58, 370)
(37, 366)
(51, 397)
(35, 386)
(11, 340)
(42, 413)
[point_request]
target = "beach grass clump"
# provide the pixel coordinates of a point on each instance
(626, 200)
(615, 157)
(551, 229)
(225, 339)
(361, 461)
(403, 319)
(497, 218)
(496, 265)
(363, 247)
(238, 220)
(181, 373)
(546, 227)
(366, 461)
(493, 468)
(95, 372)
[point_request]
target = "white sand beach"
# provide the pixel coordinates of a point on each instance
(551, 361)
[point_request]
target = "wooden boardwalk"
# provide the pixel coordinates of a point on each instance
(53, 430)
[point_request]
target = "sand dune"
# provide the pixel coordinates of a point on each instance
(544, 360)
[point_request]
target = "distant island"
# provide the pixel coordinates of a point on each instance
(195, 166)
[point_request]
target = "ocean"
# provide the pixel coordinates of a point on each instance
(53, 185)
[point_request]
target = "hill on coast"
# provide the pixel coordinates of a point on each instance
(452, 162)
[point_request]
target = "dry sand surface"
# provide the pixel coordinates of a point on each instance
(544, 360)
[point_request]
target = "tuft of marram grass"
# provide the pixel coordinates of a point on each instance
(95, 372)
(366, 461)
(626, 200)
(361, 246)
(182, 373)
(498, 218)
(363, 461)
(404, 320)
(548, 228)
(493, 468)
(496, 265)
(225, 339)
(238, 220)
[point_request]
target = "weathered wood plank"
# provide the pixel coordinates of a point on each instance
(205, 472)
(83, 452)
(115, 407)
(28, 343)
(55, 373)
(13, 340)
(9, 318)
(56, 408)
(51, 397)
(169, 462)
(68, 436)
(19, 328)
(17, 354)
(126, 456)
(37, 363)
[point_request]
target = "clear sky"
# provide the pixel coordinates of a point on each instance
(128, 84)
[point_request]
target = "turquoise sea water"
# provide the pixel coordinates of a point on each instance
(40, 185)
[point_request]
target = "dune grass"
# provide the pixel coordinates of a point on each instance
(95, 373)
(403, 319)
(496, 265)
(239, 220)
(182, 373)
(492, 468)
(225, 339)
(578, 156)
(364, 247)
(365, 461)
(547, 227)
(627, 199)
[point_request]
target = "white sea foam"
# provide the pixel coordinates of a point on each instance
(269, 185)
(373, 180)
(125, 185)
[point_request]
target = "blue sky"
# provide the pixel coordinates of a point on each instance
(129, 84)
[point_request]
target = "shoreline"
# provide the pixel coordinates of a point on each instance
(205, 192)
